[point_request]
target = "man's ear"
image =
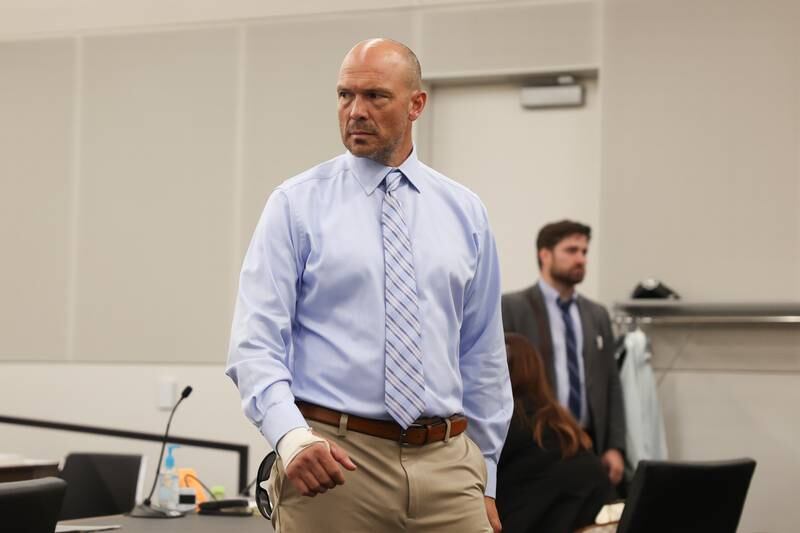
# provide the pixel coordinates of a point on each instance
(545, 257)
(417, 104)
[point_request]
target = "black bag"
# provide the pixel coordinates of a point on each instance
(654, 289)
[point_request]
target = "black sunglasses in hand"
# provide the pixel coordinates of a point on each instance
(262, 497)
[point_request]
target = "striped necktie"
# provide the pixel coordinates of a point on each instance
(573, 370)
(405, 383)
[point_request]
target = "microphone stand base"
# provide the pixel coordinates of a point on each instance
(147, 511)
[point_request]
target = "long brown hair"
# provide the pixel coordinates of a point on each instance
(532, 393)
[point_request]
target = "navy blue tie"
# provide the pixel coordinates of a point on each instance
(573, 370)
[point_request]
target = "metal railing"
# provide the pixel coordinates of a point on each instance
(676, 312)
(242, 450)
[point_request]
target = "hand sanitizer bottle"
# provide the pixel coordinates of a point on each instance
(168, 489)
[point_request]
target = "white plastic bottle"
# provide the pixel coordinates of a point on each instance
(168, 485)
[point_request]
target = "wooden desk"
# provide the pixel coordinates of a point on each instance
(193, 523)
(27, 469)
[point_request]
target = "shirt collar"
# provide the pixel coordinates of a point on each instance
(551, 295)
(370, 173)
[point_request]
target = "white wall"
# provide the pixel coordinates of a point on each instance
(36, 114)
(701, 145)
(25, 18)
(529, 167)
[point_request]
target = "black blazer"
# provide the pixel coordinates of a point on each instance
(525, 312)
(539, 492)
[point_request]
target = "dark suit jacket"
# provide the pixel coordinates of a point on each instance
(539, 492)
(525, 312)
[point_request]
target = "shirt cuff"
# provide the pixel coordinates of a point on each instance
(279, 419)
(491, 478)
(294, 442)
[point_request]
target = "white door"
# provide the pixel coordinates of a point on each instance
(529, 167)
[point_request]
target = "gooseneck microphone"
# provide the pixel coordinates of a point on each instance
(146, 510)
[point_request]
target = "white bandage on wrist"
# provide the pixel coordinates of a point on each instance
(295, 441)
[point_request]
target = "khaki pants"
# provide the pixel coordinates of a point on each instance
(433, 488)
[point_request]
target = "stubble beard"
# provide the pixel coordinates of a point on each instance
(382, 153)
(569, 278)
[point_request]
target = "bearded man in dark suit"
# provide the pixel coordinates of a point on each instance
(573, 335)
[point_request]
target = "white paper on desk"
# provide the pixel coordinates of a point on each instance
(63, 528)
(610, 513)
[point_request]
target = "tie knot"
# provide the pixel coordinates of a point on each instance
(564, 304)
(392, 180)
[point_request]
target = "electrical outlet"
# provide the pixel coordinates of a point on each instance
(167, 393)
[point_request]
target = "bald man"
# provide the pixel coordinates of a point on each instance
(367, 341)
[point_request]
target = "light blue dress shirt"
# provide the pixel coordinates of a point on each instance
(558, 335)
(309, 322)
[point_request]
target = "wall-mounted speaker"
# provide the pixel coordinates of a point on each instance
(544, 96)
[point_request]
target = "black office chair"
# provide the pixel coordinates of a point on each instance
(99, 484)
(31, 506)
(668, 497)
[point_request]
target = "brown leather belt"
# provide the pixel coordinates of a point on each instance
(423, 431)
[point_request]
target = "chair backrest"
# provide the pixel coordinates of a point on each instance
(31, 506)
(99, 484)
(686, 497)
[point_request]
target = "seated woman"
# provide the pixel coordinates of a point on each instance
(548, 479)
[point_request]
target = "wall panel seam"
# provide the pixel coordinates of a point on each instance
(239, 148)
(74, 200)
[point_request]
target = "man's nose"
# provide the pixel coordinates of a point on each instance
(358, 108)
